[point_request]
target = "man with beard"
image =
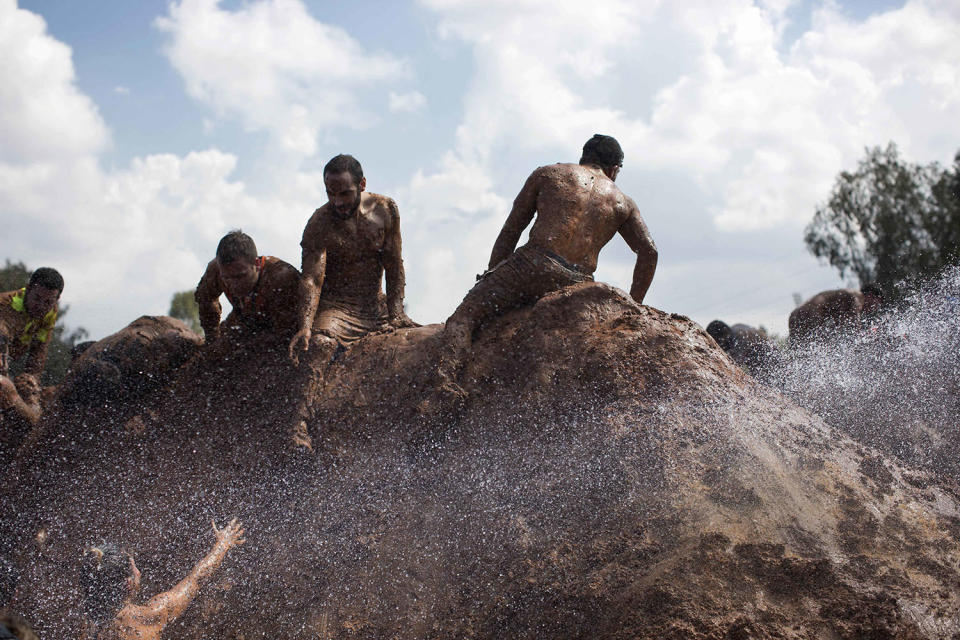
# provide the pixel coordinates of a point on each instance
(348, 245)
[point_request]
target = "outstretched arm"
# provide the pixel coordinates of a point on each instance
(634, 231)
(393, 269)
(166, 607)
(311, 283)
(207, 296)
(524, 207)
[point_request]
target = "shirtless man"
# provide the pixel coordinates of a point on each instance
(833, 311)
(110, 580)
(348, 245)
(578, 210)
(27, 319)
(262, 290)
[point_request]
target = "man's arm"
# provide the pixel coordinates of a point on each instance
(166, 607)
(393, 269)
(313, 271)
(524, 206)
(10, 399)
(634, 231)
(207, 296)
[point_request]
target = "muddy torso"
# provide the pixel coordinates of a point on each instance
(354, 247)
(579, 209)
(828, 310)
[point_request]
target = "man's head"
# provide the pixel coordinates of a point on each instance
(43, 291)
(108, 577)
(872, 297)
(237, 260)
(721, 332)
(605, 152)
(344, 181)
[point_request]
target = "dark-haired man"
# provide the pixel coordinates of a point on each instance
(27, 319)
(578, 210)
(348, 245)
(262, 290)
(832, 311)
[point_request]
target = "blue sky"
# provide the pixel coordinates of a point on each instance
(136, 133)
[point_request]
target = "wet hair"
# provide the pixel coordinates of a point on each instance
(872, 289)
(602, 150)
(236, 245)
(103, 580)
(47, 278)
(344, 162)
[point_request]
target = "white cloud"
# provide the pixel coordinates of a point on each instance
(121, 90)
(409, 102)
(44, 116)
(274, 67)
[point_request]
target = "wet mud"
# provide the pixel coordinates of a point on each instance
(611, 474)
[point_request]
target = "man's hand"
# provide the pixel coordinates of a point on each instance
(229, 536)
(8, 392)
(401, 321)
(301, 337)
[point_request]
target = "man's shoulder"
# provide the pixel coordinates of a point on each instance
(274, 265)
(380, 203)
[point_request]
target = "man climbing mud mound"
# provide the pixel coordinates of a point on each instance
(578, 209)
(832, 312)
(139, 358)
(748, 347)
(611, 475)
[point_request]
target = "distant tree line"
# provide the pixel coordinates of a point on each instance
(890, 222)
(15, 275)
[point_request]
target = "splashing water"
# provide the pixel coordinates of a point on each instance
(895, 386)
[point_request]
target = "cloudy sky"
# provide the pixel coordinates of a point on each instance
(133, 135)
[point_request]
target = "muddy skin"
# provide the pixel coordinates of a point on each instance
(147, 621)
(829, 311)
(578, 210)
(14, 323)
(270, 306)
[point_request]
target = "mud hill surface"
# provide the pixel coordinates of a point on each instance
(611, 475)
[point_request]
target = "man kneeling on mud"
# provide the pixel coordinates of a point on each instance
(578, 209)
(110, 580)
(262, 290)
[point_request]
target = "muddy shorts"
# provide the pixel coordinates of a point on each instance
(527, 275)
(347, 320)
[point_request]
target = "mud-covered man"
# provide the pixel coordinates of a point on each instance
(578, 209)
(262, 290)
(348, 245)
(27, 319)
(833, 311)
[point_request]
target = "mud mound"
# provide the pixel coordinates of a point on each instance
(138, 359)
(612, 474)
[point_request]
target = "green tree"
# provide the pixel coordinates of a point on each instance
(184, 307)
(15, 275)
(890, 222)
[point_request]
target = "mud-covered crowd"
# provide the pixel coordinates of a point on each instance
(350, 245)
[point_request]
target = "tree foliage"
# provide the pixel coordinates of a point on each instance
(15, 275)
(184, 307)
(890, 222)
